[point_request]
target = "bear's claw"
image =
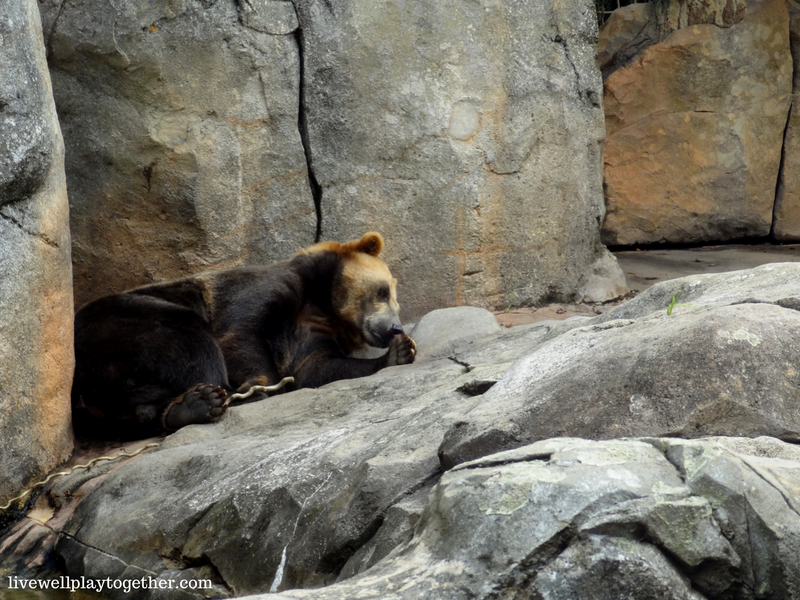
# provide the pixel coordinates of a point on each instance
(204, 403)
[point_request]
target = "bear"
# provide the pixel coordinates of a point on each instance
(156, 358)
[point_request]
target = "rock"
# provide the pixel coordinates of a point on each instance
(768, 284)
(672, 15)
(786, 225)
(695, 130)
(440, 331)
(181, 127)
(476, 151)
(631, 29)
(628, 30)
(396, 529)
(309, 488)
(604, 281)
(721, 364)
(36, 358)
(568, 518)
(478, 124)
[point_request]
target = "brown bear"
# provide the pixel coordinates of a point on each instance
(162, 356)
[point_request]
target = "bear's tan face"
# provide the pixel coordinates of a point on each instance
(369, 300)
(366, 294)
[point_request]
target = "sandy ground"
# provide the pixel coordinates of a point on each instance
(643, 268)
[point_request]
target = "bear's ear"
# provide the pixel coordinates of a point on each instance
(371, 243)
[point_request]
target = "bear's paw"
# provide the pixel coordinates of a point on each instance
(204, 403)
(402, 350)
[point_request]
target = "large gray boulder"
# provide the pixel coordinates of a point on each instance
(181, 127)
(36, 358)
(469, 134)
(652, 519)
(722, 362)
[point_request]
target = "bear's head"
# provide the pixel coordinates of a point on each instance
(365, 293)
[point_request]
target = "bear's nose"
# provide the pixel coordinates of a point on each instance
(396, 329)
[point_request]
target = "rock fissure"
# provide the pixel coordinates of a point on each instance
(205, 561)
(116, 45)
(790, 505)
(522, 574)
(279, 572)
(787, 303)
(49, 42)
(655, 443)
(561, 41)
(776, 204)
(491, 464)
(675, 561)
(434, 476)
(44, 238)
(106, 554)
(302, 127)
(467, 367)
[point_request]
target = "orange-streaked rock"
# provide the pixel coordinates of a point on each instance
(36, 356)
(695, 129)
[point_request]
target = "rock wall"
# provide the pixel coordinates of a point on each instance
(696, 123)
(216, 133)
(36, 359)
(470, 132)
(180, 122)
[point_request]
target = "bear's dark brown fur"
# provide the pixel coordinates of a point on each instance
(162, 356)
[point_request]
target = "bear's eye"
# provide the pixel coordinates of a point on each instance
(383, 292)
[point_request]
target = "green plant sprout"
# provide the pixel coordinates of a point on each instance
(675, 303)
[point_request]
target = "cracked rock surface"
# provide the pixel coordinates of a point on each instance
(653, 519)
(478, 122)
(722, 363)
(328, 486)
(696, 122)
(222, 132)
(36, 358)
(181, 127)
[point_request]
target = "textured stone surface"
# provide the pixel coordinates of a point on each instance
(786, 224)
(469, 133)
(723, 363)
(695, 130)
(627, 32)
(672, 15)
(656, 519)
(181, 128)
(461, 324)
(631, 29)
(36, 357)
(308, 488)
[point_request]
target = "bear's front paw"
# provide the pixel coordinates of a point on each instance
(401, 351)
(202, 404)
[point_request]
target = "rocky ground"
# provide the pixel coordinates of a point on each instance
(480, 471)
(644, 268)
